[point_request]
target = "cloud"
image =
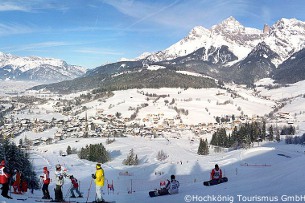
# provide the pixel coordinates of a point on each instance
(6, 6)
(38, 46)
(98, 51)
(180, 13)
(32, 5)
(14, 29)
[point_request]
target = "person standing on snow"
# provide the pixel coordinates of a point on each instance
(216, 174)
(4, 180)
(46, 181)
(74, 187)
(59, 175)
(17, 182)
(99, 182)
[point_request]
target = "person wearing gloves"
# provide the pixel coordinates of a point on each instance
(59, 175)
(46, 181)
(99, 179)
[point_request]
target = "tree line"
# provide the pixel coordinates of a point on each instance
(247, 134)
(95, 153)
(15, 158)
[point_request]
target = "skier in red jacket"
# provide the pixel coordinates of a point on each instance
(74, 187)
(4, 180)
(46, 181)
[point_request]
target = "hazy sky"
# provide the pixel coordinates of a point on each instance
(93, 32)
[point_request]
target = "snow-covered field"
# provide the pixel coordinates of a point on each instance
(258, 174)
(15, 87)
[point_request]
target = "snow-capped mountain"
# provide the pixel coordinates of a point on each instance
(227, 52)
(230, 32)
(285, 37)
(37, 69)
(292, 70)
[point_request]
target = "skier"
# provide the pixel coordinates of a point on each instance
(74, 187)
(4, 180)
(17, 181)
(46, 181)
(99, 182)
(24, 185)
(60, 175)
(216, 174)
(172, 187)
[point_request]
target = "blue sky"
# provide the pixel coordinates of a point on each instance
(94, 32)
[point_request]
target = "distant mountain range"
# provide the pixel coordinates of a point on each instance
(37, 69)
(227, 52)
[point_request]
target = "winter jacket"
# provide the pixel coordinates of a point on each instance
(45, 177)
(4, 175)
(74, 182)
(216, 175)
(173, 186)
(60, 175)
(16, 178)
(100, 179)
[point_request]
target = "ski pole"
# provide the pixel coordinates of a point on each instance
(68, 192)
(89, 190)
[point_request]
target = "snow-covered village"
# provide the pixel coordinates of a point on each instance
(45, 132)
(152, 101)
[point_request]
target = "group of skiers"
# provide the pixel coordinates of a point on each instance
(13, 178)
(60, 174)
(171, 187)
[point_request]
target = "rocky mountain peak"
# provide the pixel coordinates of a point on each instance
(229, 25)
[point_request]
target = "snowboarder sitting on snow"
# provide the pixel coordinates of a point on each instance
(216, 174)
(59, 174)
(74, 187)
(172, 187)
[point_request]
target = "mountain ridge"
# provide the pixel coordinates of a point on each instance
(227, 52)
(240, 39)
(37, 68)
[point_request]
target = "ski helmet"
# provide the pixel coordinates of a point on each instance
(216, 166)
(98, 166)
(173, 177)
(58, 166)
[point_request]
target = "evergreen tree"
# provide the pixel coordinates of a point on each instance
(206, 147)
(69, 150)
(96, 153)
(200, 147)
(277, 135)
(161, 155)
(131, 159)
(15, 158)
(264, 131)
(271, 133)
(136, 160)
